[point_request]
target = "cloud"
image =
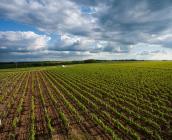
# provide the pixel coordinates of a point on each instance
(131, 18)
(89, 26)
(70, 42)
(12, 41)
(47, 15)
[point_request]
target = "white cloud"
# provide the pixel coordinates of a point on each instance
(47, 15)
(112, 29)
(22, 41)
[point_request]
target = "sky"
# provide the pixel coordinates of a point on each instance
(50, 30)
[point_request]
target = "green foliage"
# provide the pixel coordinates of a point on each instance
(15, 121)
(64, 120)
(130, 99)
(32, 131)
(19, 109)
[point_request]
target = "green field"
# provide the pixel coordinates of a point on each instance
(120, 100)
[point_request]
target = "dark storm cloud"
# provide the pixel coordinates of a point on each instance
(132, 17)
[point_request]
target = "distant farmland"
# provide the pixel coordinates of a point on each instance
(105, 101)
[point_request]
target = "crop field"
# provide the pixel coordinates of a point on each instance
(104, 101)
